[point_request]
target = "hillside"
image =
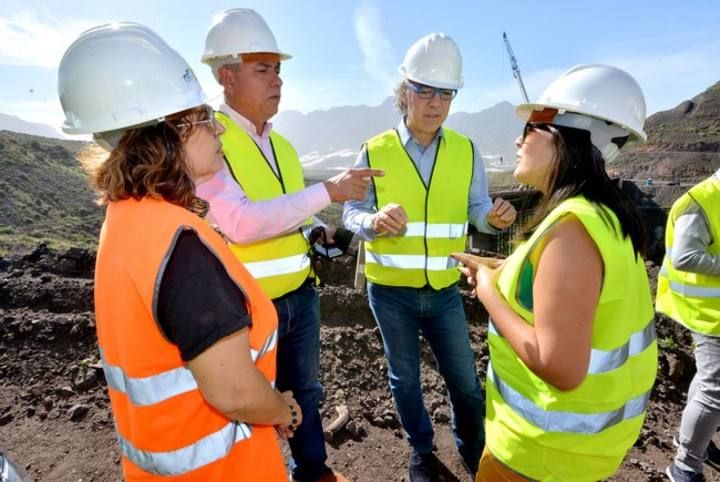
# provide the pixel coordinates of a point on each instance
(44, 195)
(683, 143)
(13, 123)
(329, 140)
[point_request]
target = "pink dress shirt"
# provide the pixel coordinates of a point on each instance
(244, 221)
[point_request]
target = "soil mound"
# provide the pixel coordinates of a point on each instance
(55, 417)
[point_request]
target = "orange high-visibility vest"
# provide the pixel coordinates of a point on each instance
(166, 429)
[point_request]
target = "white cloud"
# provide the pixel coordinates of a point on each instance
(36, 38)
(375, 46)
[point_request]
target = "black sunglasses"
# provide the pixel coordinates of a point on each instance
(535, 126)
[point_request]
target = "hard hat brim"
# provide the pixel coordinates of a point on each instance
(236, 56)
(524, 111)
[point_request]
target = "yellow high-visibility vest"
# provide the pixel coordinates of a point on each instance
(581, 434)
(437, 213)
(692, 299)
(280, 264)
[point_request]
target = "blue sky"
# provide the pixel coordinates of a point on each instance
(347, 52)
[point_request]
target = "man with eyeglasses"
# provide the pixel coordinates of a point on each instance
(261, 204)
(411, 220)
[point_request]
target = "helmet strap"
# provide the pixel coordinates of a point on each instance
(602, 133)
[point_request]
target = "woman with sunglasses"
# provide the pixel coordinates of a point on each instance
(572, 343)
(186, 336)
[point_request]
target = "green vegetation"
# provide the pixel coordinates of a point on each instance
(44, 195)
(668, 343)
(691, 121)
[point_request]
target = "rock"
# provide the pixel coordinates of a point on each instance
(6, 418)
(78, 412)
(355, 428)
(85, 380)
(65, 392)
(48, 403)
(676, 370)
(440, 415)
(435, 403)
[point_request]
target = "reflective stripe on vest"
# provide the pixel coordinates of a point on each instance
(692, 299)
(280, 264)
(682, 289)
(165, 425)
(602, 361)
(450, 231)
(583, 433)
(437, 212)
(560, 421)
(410, 261)
(177, 462)
(269, 345)
(157, 388)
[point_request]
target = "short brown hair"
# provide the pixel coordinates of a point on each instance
(148, 161)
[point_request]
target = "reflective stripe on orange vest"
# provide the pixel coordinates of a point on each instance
(167, 431)
(205, 451)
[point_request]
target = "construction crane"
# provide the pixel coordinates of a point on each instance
(515, 68)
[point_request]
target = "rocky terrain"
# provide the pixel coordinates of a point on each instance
(683, 147)
(55, 418)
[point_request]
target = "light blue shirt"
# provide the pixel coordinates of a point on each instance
(357, 215)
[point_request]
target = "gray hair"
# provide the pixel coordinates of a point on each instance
(218, 63)
(400, 91)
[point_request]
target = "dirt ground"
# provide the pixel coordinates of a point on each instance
(55, 418)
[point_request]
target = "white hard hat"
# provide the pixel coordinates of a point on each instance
(600, 92)
(239, 31)
(121, 75)
(434, 60)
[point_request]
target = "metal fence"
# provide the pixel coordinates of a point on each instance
(653, 216)
(501, 244)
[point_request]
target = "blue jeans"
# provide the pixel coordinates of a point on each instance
(402, 314)
(298, 364)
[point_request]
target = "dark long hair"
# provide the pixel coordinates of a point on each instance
(579, 170)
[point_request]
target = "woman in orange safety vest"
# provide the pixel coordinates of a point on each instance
(187, 338)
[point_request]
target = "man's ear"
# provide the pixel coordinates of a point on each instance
(225, 76)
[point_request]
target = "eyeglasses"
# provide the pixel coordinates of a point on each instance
(426, 92)
(207, 120)
(535, 126)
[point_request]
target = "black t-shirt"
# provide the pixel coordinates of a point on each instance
(198, 303)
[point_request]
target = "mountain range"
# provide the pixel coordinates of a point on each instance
(329, 140)
(13, 123)
(44, 195)
(683, 143)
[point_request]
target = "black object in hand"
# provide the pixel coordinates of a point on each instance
(321, 247)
